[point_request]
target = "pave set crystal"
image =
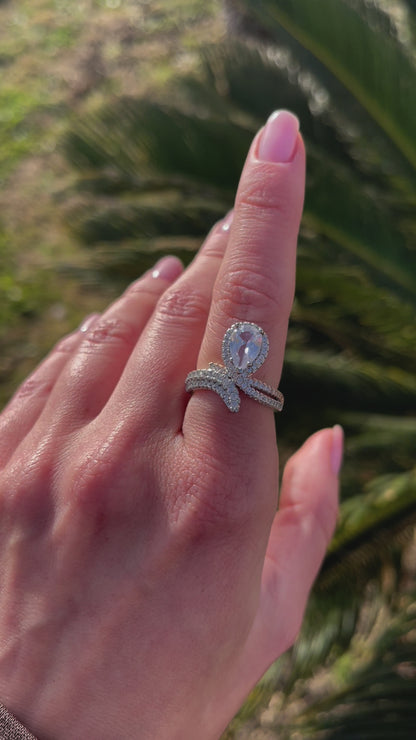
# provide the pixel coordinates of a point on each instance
(244, 349)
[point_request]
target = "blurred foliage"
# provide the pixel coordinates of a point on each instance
(24, 296)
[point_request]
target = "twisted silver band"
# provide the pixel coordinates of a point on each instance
(244, 348)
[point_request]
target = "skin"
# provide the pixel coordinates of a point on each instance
(147, 581)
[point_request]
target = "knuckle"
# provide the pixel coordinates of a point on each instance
(34, 386)
(67, 344)
(261, 200)
(261, 194)
(205, 509)
(87, 482)
(245, 288)
(25, 488)
(109, 331)
(178, 305)
(94, 482)
(144, 289)
(214, 247)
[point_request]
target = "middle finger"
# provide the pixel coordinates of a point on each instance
(173, 336)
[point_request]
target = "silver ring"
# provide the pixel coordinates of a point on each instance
(244, 349)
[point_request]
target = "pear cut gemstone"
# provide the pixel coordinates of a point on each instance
(245, 345)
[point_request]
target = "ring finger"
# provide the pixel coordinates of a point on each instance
(257, 277)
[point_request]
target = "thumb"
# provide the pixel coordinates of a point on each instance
(299, 537)
(300, 534)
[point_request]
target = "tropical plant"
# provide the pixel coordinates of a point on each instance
(152, 175)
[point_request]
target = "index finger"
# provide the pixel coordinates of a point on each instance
(256, 279)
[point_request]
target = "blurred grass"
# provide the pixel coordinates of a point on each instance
(59, 60)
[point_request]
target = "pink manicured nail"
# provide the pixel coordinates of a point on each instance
(168, 268)
(279, 137)
(226, 224)
(337, 450)
(88, 322)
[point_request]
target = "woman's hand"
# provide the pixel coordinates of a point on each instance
(146, 580)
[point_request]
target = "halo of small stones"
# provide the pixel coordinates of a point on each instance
(225, 381)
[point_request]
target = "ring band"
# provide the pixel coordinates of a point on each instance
(245, 347)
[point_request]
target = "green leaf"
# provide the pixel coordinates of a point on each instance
(139, 138)
(354, 383)
(368, 62)
(370, 527)
(377, 699)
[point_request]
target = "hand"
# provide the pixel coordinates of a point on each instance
(147, 582)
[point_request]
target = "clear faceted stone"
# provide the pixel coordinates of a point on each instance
(245, 345)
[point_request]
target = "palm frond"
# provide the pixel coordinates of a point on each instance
(138, 138)
(371, 527)
(410, 4)
(376, 701)
(353, 383)
(357, 62)
(346, 214)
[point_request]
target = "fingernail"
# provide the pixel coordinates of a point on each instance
(279, 137)
(337, 450)
(88, 322)
(168, 268)
(227, 221)
(223, 224)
